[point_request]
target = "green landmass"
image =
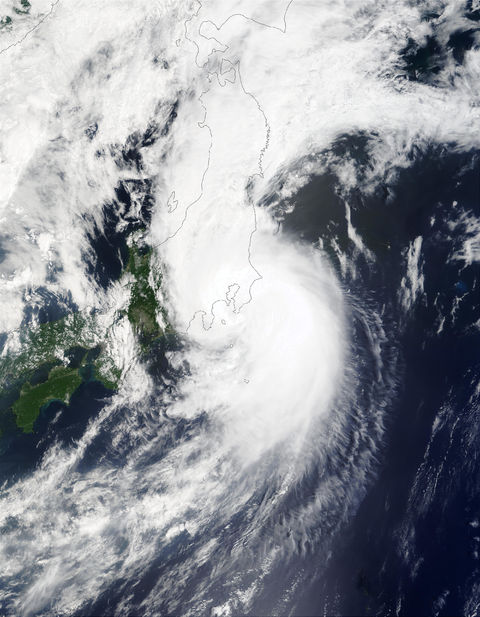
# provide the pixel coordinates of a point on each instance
(143, 306)
(51, 360)
(60, 385)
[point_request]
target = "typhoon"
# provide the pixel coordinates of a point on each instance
(239, 317)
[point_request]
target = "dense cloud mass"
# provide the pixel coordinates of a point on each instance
(204, 127)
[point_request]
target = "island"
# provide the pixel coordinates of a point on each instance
(48, 361)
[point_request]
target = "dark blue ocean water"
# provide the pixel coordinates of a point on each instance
(411, 549)
(410, 545)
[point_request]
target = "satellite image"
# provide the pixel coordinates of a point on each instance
(239, 308)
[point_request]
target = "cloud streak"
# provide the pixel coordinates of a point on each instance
(270, 396)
